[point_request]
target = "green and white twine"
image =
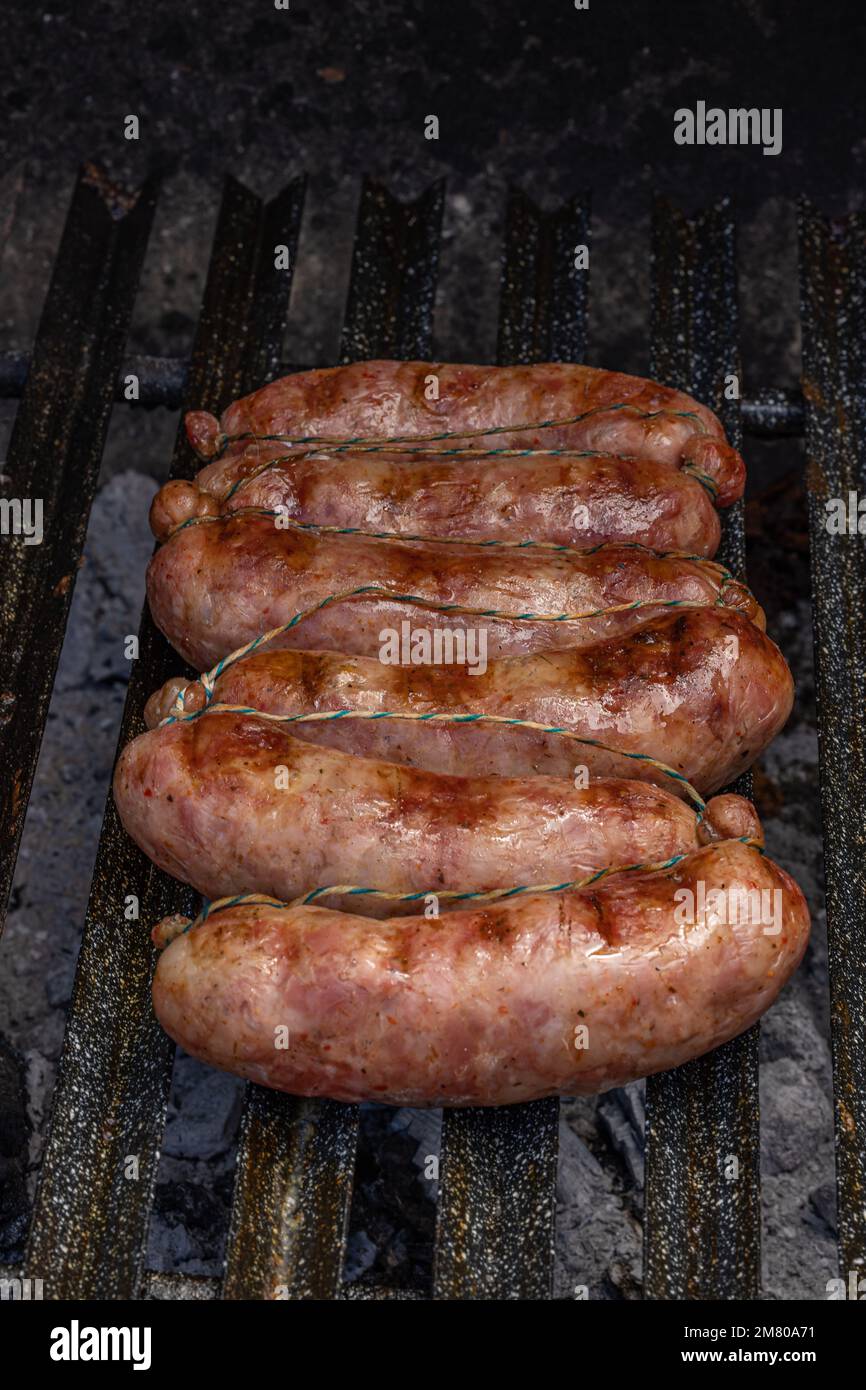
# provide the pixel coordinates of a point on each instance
(414, 444)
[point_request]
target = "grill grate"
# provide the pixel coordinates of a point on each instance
(54, 455)
(702, 1227)
(296, 1157)
(90, 1222)
(833, 277)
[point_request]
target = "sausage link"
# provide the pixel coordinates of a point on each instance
(386, 400)
(569, 501)
(702, 690)
(214, 587)
(559, 994)
(230, 803)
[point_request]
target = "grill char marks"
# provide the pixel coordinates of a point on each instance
(702, 690)
(500, 991)
(233, 804)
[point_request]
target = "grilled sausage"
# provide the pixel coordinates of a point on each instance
(559, 994)
(384, 400)
(230, 803)
(215, 586)
(571, 501)
(702, 690)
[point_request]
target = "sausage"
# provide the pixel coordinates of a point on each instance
(230, 803)
(385, 400)
(703, 690)
(214, 587)
(559, 994)
(571, 501)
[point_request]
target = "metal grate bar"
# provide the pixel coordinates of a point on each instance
(833, 284)
(389, 311)
(494, 1235)
(90, 1222)
(296, 1158)
(702, 1227)
(772, 412)
(54, 456)
(543, 296)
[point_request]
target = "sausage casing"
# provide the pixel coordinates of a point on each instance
(558, 994)
(234, 804)
(214, 587)
(702, 690)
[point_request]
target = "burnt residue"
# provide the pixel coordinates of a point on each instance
(833, 306)
(702, 1233)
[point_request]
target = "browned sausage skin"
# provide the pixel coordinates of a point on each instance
(703, 690)
(212, 588)
(386, 400)
(230, 804)
(559, 994)
(569, 501)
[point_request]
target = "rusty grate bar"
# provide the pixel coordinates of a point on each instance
(494, 1236)
(54, 455)
(832, 288)
(543, 296)
(702, 1229)
(90, 1222)
(389, 310)
(296, 1158)
(295, 1170)
(770, 413)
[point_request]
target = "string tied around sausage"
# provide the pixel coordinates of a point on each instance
(727, 583)
(375, 443)
(441, 717)
(705, 480)
(177, 925)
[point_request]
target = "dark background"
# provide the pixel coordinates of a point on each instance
(542, 95)
(535, 94)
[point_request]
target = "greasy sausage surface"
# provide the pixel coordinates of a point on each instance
(571, 501)
(232, 804)
(217, 585)
(702, 690)
(386, 399)
(558, 994)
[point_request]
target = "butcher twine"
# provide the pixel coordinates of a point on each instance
(491, 896)
(706, 482)
(208, 678)
(404, 444)
(292, 522)
(396, 444)
(393, 443)
(436, 717)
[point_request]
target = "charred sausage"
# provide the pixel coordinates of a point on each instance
(702, 690)
(230, 803)
(557, 994)
(216, 586)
